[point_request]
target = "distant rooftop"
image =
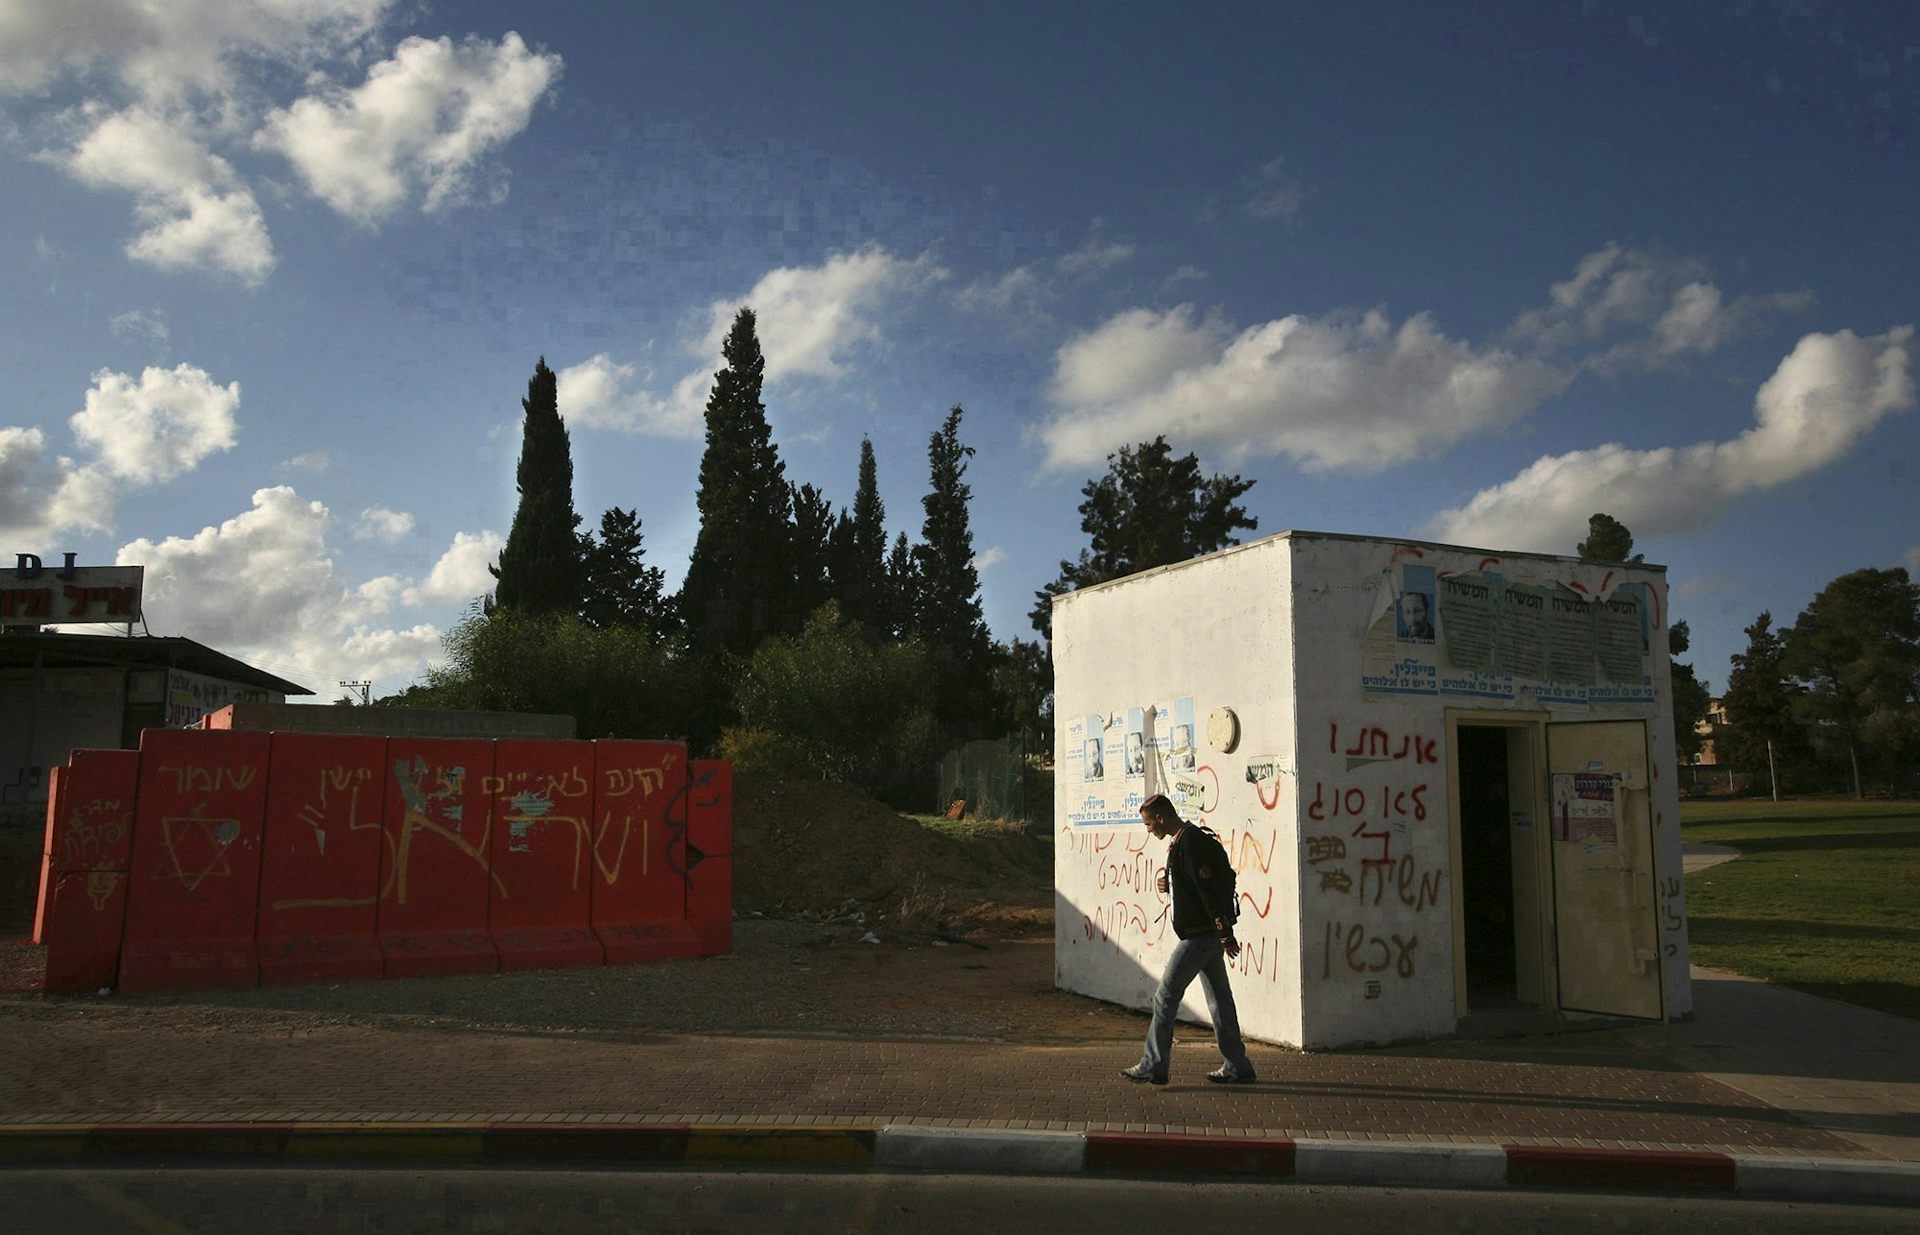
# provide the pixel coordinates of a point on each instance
(55, 650)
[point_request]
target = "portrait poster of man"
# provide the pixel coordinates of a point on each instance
(1136, 742)
(1184, 743)
(1413, 612)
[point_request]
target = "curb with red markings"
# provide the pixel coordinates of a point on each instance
(1003, 1151)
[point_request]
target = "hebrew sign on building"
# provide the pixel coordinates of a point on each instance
(35, 594)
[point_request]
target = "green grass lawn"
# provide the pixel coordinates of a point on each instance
(1824, 898)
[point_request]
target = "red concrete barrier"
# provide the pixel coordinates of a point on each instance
(710, 855)
(639, 856)
(86, 913)
(89, 845)
(435, 866)
(320, 859)
(542, 799)
(195, 877)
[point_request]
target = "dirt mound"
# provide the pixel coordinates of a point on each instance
(811, 848)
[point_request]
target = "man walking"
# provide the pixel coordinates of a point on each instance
(1200, 876)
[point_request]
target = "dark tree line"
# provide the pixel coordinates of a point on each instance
(803, 635)
(774, 561)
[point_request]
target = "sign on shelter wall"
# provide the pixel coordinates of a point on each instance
(1491, 637)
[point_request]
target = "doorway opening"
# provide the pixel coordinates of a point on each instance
(1503, 918)
(1486, 867)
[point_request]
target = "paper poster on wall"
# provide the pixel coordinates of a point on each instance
(1521, 629)
(1389, 666)
(1570, 638)
(1093, 763)
(1466, 622)
(1476, 684)
(1620, 636)
(1413, 607)
(1136, 742)
(1184, 742)
(1583, 806)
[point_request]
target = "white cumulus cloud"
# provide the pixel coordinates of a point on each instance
(461, 574)
(810, 320)
(1348, 391)
(135, 434)
(193, 210)
(420, 123)
(809, 317)
(602, 393)
(1824, 397)
(1653, 308)
(163, 50)
(379, 523)
(264, 586)
(160, 427)
(989, 557)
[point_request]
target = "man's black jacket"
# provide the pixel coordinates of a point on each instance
(1201, 879)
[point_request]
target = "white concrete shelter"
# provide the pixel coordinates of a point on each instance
(1445, 776)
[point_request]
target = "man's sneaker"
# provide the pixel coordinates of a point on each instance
(1220, 1076)
(1141, 1075)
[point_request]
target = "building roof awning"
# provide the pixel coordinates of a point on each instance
(54, 650)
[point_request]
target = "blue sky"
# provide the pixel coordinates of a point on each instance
(277, 275)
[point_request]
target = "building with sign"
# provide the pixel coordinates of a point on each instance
(1445, 776)
(61, 691)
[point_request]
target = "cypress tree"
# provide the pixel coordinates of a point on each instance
(812, 548)
(540, 568)
(948, 602)
(899, 592)
(860, 550)
(739, 584)
(621, 589)
(947, 613)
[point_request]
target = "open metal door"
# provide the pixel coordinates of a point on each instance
(1601, 831)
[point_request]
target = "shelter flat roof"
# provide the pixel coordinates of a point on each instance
(56, 650)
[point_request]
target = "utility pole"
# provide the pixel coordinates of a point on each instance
(1772, 775)
(365, 689)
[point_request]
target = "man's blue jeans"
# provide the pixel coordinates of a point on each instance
(1200, 957)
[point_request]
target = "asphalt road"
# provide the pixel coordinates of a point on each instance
(166, 1201)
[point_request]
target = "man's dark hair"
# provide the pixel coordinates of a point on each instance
(1160, 807)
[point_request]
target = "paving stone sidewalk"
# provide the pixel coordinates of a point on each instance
(1594, 1089)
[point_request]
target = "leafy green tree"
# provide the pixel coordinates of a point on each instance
(1857, 649)
(618, 681)
(947, 603)
(540, 570)
(622, 590)
(1690, 697)
(1760, 702)
(1150, 509)
(739, 584)
(812, 550)
(1608, 540)
(832, 702)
